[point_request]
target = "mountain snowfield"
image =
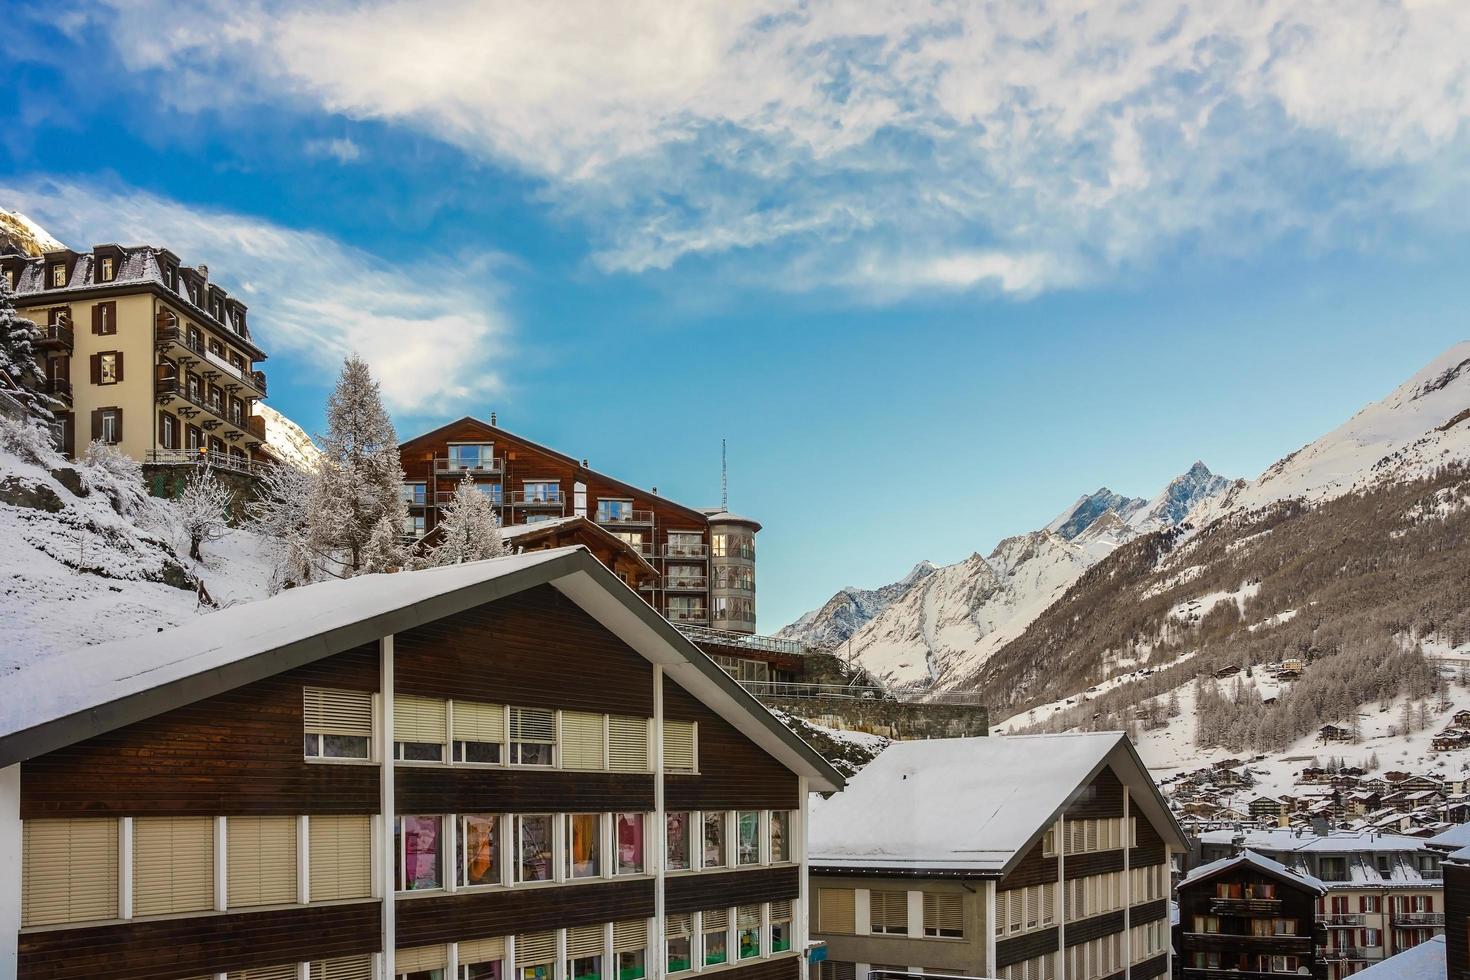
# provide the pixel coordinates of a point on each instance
(288, 440)
(19, 234)
(936, 625)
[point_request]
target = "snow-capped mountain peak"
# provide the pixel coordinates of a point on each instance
(1183, 494)
(20, 235)
(1089, 507)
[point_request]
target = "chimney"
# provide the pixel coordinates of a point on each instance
(492, 418)
(585, 466)
(204, 272)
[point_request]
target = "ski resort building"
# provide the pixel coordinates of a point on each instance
(704, 559)
(1040, 857)
(145, 353)
(1385, 892)
(506, 768)
(1248, 914)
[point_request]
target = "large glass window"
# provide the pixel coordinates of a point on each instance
(471, 456)
(481, 971)
(748, 839)
(584, 840)
(629, 830)
(613, 511)
(415, 494)
(418, 846)
(780, 835)
(479, 837)
(541, 491)
(631, 964)
(532, 736)
(676, 931)
(534, 853)
(715, 933)
(676, 841)
(780, 926)
(713, 853)
(748, 926)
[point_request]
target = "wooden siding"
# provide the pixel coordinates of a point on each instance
(535, 648)
(1083, 930)
(502, 912)
(1103, 797)
(1148, 912)
(237, 753)
(1150, 849)
(459, 789)
(734, 772)
(1457, 921)
(163, 949)
(1096, 863)
(1149, 969)
(1022, 948)
(1033, 869)
(785, 968)
(693, 892)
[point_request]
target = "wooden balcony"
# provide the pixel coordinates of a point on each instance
(1245, 906)
(1224, 942)
(56, 337)
(60, 389)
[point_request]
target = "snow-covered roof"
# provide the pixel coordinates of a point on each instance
(1425, 961)
(968, 805)
(1336, 842)
(1462, 856)
(512, 531)
(1255, 860)
(725, 517)
(1456, 837)
(58, 700)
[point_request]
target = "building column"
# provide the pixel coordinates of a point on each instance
(387, 859)
(10, 870)
(800, 927)
(658, 947)
(1128, 886)
(988, 969)
(1062, 897)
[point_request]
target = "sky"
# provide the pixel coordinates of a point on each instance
(932, 270)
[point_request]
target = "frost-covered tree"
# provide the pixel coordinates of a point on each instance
(469, 529)
(361, 474)
(18, 339)
(203, 509)
(384, 551)
(283, 512)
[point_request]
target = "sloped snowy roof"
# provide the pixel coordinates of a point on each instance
(966, 805)
(59, 700)
(1425, 961)
(1457, 837)
(1337, 842)
(1256, 860)
(512, 531)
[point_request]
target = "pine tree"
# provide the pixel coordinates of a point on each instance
(18, 339)
(384, 551)
(203, 509)
(469, 529)
(362, 476)
(282, 511)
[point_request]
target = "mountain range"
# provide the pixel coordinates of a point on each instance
(960, 625)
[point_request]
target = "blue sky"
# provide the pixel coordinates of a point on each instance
(933, 270)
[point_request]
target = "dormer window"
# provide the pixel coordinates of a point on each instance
(10, 278)
(58, 274)
(171, 277)
(108, 269)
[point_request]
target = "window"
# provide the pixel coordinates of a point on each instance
(748, 930)
(1207, 923)
(676, 934)
(414, 525)
(687, 609)
(627, 743)
(173, 865)
(339, 724)
(418, 843)
(630, 943)
(584, 845)
(479, 732)
(836, 911)
(583, 740)
(944, 914)
(482, 959)
(418, 729)
(341, 857)
(69, 871)
(58, 275)
(532, 736)
(889, 912)
(536, 955)
(715, 934)
(584, 952)
(541, 491)
(471, 456)
(748, 837)
(679, 742)
(628, 830)
(780, 836)
(712, 855)
(781, 926)
(614, 511)
(168, 431)
(683, 544)
(423, 963)
(107, 425)
(108, 269)
(109, 368)
(261, 857)
(534, 854)
(491, 490)
(676, 841)
(479, 844)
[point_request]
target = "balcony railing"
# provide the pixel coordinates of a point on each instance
(792, 689)
(59, 388)
(1341, 954)
(1413, 920)
(537, 499)
(254, 379)
(700, 550)
(56, 336)
(688, 615)
(200, 457)
(748, 641)
(1237, 906)
(624, 518)
(170, 387)
(686, 583)
(1342, 921)
(168, 331)
(483, 465)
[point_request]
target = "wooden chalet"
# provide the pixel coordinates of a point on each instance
(505, 768)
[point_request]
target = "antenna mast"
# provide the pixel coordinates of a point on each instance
(724, 477)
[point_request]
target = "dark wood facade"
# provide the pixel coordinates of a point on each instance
(1236, 946)
(1457, 918)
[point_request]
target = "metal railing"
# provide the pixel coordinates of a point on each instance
(1341, 921)
(677, 616)
(56, 334)
(1411, 920)
(625, 517)
(200, 457)
(746, 641)
(494, 464)
(794, 689)
(1341, 953)
(535, 498)
(59, 387)
(686, 551)
(686, 582)
(254, 379)
(172, 333)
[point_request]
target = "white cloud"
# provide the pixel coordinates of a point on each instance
(431, 341)
(1065, 135)
(341, 149)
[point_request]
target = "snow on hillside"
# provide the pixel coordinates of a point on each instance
(1423, 424)
(1089, 507)
(89, 557)
(1175, 501)
(846, 612)
(287, 440)
(21, 235)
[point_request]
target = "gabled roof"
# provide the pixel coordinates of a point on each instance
(1261, 863)
(1425, 961)
(1455, 837)
(970, 806)
(64, 699)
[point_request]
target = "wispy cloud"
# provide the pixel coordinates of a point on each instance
(1015, 146)
(308, 294)
(341, 149)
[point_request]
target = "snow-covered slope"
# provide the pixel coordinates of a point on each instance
(20, 235)
(287, 440)
(938, 624)
(1423, 424)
